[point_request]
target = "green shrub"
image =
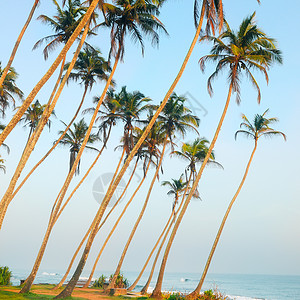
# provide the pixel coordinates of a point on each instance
(99, 283)
(121, 281)
(5, 276)
(176, 296)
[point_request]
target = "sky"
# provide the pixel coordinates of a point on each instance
(263, 229)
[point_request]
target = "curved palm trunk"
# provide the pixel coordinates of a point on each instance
(38, 131)
(118, 269)
(16, 118)
(91, 226)
(114, 227)
(53, 147)
(14, 51)
(150, 255)
(174, 214)
(157, 290)
(71, 285)
(151, 123)
(199, 286)
(35, 136)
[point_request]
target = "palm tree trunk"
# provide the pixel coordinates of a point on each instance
(157, 113)
(91, 226)
(114, 227)
(52, 148)
(14, 51)
(35, 136)
(146, 286)
(150, 255)
(118, 269)
(157, 291)
(16, 118)
(199, 286)
(38, 131)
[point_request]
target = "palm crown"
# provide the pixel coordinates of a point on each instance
(134, 17)
(64, 24)
(245, 50)
(9, 90)
(74, 139)
(260, 127)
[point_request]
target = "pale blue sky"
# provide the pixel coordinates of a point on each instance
(262, 233)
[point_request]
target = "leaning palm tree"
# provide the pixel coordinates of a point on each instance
(14, 51)
(259, 128)
(9, 90)
(33, 115)
(249, 48)
(194, 153)
(89, 68)
(78, 30)
(74, 138)
(34, 138)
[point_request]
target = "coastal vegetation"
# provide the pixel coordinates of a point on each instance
(148, 131)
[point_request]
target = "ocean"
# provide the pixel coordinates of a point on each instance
(234, 286)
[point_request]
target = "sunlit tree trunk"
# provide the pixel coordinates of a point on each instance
(118, 269)
(114, 227)
(49, 110)
(16, 118)
(35, 136)
(199, 286)
(14, 51)
(157, 290)
(174, 214)
(88, 232)
(51, 149)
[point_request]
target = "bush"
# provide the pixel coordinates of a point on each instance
(99, 283)
(121, 281)
(5, 276)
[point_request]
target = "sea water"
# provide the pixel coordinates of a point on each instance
(234, 286)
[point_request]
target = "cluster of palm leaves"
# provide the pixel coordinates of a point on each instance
(147, 129)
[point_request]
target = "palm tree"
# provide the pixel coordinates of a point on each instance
(213, 11)
(74, 138)
(34, 138)
(90, 67)
(259, 128)
(174, 118)
(14, 51)
(177, 186)
(63, 24)
(247, 49)
(33, 115)
(9, 90)
(85, 19)
(194, 153)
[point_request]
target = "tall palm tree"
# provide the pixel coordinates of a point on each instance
(84, 21)
(177, 186)
(9, 90)
(14, 51)
(46, 115)
(74, 138)
(194, 153)
(259, 128)
(90, 67)
(211, 8)
(33, 115)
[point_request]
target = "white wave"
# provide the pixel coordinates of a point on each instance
(49, 274)
(242, 298)
(150, 290)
